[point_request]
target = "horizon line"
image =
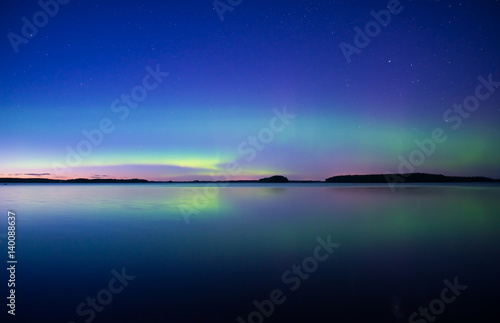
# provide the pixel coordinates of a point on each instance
(344, 176)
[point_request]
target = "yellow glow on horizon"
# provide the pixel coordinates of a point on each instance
(195, 161)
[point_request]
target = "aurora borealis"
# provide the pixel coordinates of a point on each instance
(86, 68)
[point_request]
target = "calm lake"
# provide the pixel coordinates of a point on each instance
(253, 253)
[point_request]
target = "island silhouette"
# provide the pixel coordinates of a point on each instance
(274, 179)
(407, 178)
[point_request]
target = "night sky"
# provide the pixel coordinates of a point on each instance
(274, 71)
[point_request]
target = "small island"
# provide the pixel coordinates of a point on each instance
(274, 179)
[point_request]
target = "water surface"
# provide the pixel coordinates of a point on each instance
(396, 249)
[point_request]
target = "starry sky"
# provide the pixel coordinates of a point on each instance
(200, 90)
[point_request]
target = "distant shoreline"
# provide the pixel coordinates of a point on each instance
(341, 179)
